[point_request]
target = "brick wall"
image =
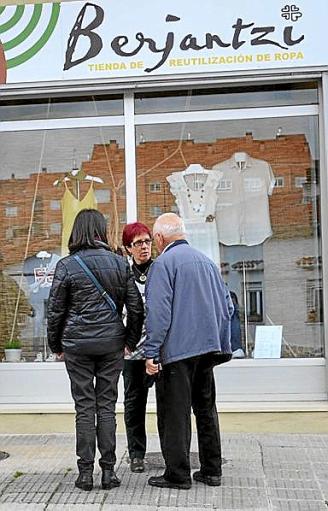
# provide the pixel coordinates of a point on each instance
(289, 156)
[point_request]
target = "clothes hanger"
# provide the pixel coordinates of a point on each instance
(240, 158)
(43, 254)
(77, 176)
(194, 168)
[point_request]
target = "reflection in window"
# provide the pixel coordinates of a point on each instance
(280, 182)
(227, 97)
(58, 108)
(9, 233)
(54, 205)
(102, 196)
(254, 295)
(155, 211)
(42, 199)
(314, 301)
(55, 228)
(155, 187)
(38, 220)
(300, 181)
(11, 211)
(233, 183)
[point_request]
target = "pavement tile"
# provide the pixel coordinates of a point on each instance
(22, 507)
(295, 494)
(261, 473)
(74, 507)
(293, 483)
(298, 505)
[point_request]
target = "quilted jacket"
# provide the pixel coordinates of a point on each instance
(79, 319)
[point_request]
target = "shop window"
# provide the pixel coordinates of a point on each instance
(155, 211)
(155, 187)
(55, 205)
(102, 196)
(226, 97)
(254, 305)
(219, 177)
(11, 211)
(41, 194)
(314, 301)
(52, 108)
(280, 182)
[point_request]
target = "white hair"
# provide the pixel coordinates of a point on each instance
(169, 224)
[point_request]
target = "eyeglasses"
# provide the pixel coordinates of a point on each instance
(139, 243)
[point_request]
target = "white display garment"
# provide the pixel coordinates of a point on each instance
(242, 209)
(195, 196)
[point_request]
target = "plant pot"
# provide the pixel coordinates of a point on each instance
(13, 355)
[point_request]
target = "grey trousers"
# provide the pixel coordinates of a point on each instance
(94, 380)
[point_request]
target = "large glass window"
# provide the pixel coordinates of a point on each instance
(61, 107)
(248, 191)
(46, 177)
(297, 93)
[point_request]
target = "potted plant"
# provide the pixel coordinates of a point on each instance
(13, 350)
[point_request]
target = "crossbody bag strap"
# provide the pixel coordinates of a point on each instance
(96, 282)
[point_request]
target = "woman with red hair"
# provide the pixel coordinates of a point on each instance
(137, 241)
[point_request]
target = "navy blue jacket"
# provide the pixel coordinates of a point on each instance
(188, 306)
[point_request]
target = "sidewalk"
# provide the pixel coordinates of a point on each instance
(261, 472)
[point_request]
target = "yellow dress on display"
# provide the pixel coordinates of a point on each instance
(71, 206)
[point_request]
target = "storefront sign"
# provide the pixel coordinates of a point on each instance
(104, 39)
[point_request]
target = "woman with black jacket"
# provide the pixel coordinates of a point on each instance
(92, 337)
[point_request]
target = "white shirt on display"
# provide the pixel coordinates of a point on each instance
(195, 196)
(242, 207)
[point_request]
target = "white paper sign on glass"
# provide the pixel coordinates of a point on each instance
(268, 341)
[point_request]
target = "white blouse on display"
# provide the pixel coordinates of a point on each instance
(195, 196)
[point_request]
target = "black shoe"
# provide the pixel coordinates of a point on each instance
(84, 481)
(137, 465)
(207, 479)
(109, 479)
(161, 482)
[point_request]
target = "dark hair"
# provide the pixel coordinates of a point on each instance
(130, 231)
(89, 227)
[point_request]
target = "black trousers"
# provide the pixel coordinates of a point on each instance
(184, 385)
(135, 401)
(94, 380)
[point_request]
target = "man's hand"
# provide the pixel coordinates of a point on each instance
(152, 368)
(127, 351)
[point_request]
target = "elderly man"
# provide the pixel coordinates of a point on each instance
(188, 323)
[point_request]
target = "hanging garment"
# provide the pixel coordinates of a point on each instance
(39, 273)
(196, 198)
(10, 322)
(71, 206)
(242, 208)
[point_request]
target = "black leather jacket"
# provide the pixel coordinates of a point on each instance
(79, 319)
